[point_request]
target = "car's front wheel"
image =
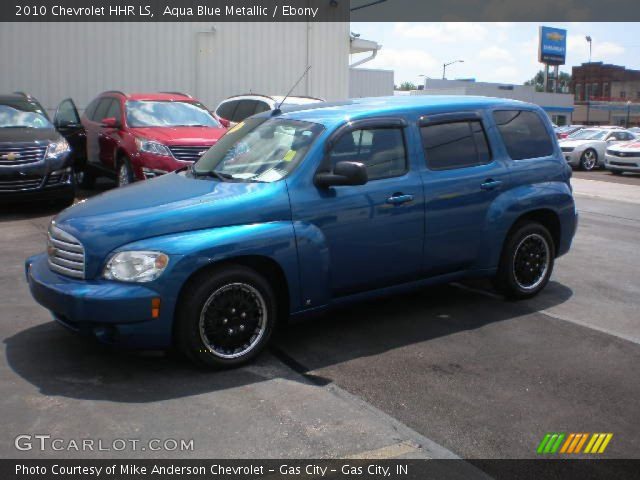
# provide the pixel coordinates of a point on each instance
(226, 317)
(527, 261)
(589, 160)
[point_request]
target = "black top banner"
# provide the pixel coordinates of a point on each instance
(317, 10)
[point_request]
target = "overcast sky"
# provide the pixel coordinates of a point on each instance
(492, 52)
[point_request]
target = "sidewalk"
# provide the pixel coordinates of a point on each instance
(606, 190)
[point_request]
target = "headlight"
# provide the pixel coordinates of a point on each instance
(150, 146)
(135, 266)
(58, 148)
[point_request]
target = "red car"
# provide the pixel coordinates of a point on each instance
(136, 136)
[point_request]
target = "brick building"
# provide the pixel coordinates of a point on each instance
(605, 94)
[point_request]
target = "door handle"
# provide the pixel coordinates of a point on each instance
(490, 184)
(399, 199)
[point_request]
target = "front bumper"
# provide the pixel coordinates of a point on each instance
(573, 158)
(112, 312)
(620, 164)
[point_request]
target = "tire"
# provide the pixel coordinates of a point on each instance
(124, 173)
(85, 178)
(226, 317)
(528, 245)
(589, 160)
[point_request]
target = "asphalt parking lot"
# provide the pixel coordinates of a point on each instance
(444, 371)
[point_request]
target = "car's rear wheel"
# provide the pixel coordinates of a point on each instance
(226, 317)
(589, 159)
(125, 172)
(527, 261)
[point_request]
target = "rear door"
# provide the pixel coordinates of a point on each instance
(94, 130)
(463, 176)
(67, 122)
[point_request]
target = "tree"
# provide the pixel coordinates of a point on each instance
(538, 81)
(407, 86)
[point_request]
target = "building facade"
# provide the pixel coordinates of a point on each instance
(606, 94)
(54, 61)
(559, 106)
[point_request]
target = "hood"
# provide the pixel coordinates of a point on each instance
(181, 135)
(21, 135)
(169, 204)
(633, 146)
(579, 143)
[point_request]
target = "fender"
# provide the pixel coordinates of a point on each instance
(514, 203)
(192, 251)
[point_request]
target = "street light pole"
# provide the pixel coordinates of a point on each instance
(587, 89)
(445, 65)
(588, 38)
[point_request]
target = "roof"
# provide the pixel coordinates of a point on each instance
(330, 113)
(162, 96)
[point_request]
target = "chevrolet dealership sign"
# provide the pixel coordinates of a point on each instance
(552, 48)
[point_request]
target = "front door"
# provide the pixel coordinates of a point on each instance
(67, 122)
(374, 232)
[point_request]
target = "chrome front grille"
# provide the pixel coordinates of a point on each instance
(617, 153)
(66, 254)
(21, 153)
(20, 184)
(188, 153)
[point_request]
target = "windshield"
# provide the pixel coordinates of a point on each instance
(11, 117)
(147, 113)
(589, 135)
(259, 150)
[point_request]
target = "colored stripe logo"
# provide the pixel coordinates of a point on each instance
(568, 443)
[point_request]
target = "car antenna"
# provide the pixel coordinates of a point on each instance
(276, 110)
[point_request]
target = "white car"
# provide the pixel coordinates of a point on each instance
(586, 148)
(235, 109)
(624, 157)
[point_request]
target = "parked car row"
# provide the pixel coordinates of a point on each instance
(586, 147)
(127, 137)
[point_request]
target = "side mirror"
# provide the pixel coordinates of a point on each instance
(344, 173)
(110, 122)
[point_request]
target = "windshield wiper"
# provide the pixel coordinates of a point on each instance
(212, 173)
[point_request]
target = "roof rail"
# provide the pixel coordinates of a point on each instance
(115, 91)
(179, 93)
(252, 95)
(25, 95)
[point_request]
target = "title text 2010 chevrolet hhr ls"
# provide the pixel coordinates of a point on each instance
(295, 212)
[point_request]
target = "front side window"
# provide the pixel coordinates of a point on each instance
(381, 150)
(245, 109)
(455, 145)
(259, 150)
(523, 133)
(11, 117)
(161, 113)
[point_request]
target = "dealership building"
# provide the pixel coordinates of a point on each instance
(210, 61)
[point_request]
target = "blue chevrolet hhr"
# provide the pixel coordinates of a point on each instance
(299, 211)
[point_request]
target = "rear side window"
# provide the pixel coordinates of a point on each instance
(381, 150)
(226, 109)
(245, 109)
(101, 111)
(114, 110)
(455, 145)
(91, 108)
(523, 133)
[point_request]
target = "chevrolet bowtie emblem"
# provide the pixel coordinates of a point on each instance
(11, 156)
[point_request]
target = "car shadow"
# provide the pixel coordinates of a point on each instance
(34, 208)
(62, 364)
